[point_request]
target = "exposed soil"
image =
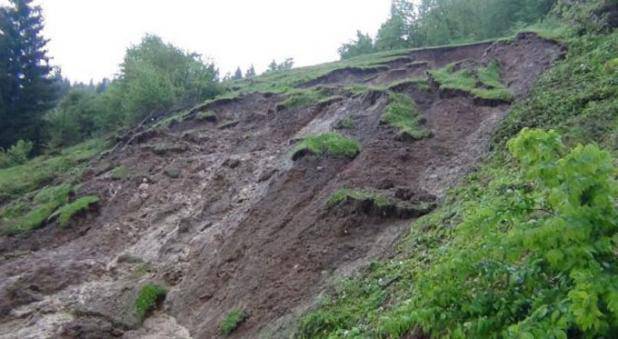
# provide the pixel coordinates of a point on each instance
(216, 210)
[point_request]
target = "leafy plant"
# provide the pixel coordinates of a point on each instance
(149, 296)
(231, 321)
(333, 144)
(16, 154)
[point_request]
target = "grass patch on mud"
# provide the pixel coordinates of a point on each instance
(304, 97)
(231, 321)
(423, 292)
(344, 194)
(332, 144)
(402, 114)
(483, 83)
(148, 298)
(67, 212)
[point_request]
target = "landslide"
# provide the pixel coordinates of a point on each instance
(224, 207)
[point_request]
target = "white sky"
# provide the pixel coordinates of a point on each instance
(89, 37)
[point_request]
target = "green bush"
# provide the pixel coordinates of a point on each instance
(333, 144)
(74, 119)
(16, 154)
(149, 296)
(231, 321)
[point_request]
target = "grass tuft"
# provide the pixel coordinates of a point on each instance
(149, 296)
(484, 83)
(67, 212)
(231, 321)
(120, 173)
(304, 98)
(333, 144)
(344, 194)
(402, 114)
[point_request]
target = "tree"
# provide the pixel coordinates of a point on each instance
(362, 45)
(392, 33)
(27, 87)
(238, 74)
(287, 64)
(250, 73)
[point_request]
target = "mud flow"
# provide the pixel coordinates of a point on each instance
(215, 208)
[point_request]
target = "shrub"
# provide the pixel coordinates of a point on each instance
(231, 321)
(16, 154)
(149, 296)
(333, 144)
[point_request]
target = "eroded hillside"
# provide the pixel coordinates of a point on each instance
(257, 201)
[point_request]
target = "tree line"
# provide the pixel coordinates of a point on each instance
(438, 22)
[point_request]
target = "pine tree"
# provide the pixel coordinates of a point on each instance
(250, 73)
(28, 89)
(238, 74)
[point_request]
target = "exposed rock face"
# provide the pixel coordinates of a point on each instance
(221, 215)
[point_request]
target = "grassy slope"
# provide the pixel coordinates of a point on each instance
(578, 98)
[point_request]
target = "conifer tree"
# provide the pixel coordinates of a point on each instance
(250, 73)
(238, 74)
(27, 88)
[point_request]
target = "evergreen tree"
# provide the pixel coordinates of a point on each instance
(250, 73)
(392, 33)
(27, 86)
(272, 67)
(238, 74)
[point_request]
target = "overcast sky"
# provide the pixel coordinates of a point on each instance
(89, 37)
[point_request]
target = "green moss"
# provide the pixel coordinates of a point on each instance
(344, 194)
(484, 83)
(149, 296)
(333, 144)
(67, 212)
(120, 172)
(402, 114)
(206, 116)
(231, 321)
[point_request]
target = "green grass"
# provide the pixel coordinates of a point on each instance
(333, 144)
(38, 172)
(67, 212)
(402, 114)
(205, 115)
(231, 321)
(466, 80)
(304, 97)
(344, 194)
(453, 275)
(120, 172)
(345, 123)
(149, 296)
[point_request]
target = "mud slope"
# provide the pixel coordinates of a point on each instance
(215, 208)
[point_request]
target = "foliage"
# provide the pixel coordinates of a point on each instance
(74, 119)
(285, 65)
(402, 114)
(27, 87)
(344, 194)
(16, 154)
(149, 296)
(231, 321)
(67, 212)
(362, 45)
(333, 144)
(483, 83)
(119, 172)
(440, 22)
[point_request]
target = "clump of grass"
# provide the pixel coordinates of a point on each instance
(304, 97)
(149, 296)
(24, 217)
(231, 321)
(345, 123)
(333, 144)
(67, 212)
(484, 83)
(120, 172)
(344, 194)
(206, 116)
(402, 114)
